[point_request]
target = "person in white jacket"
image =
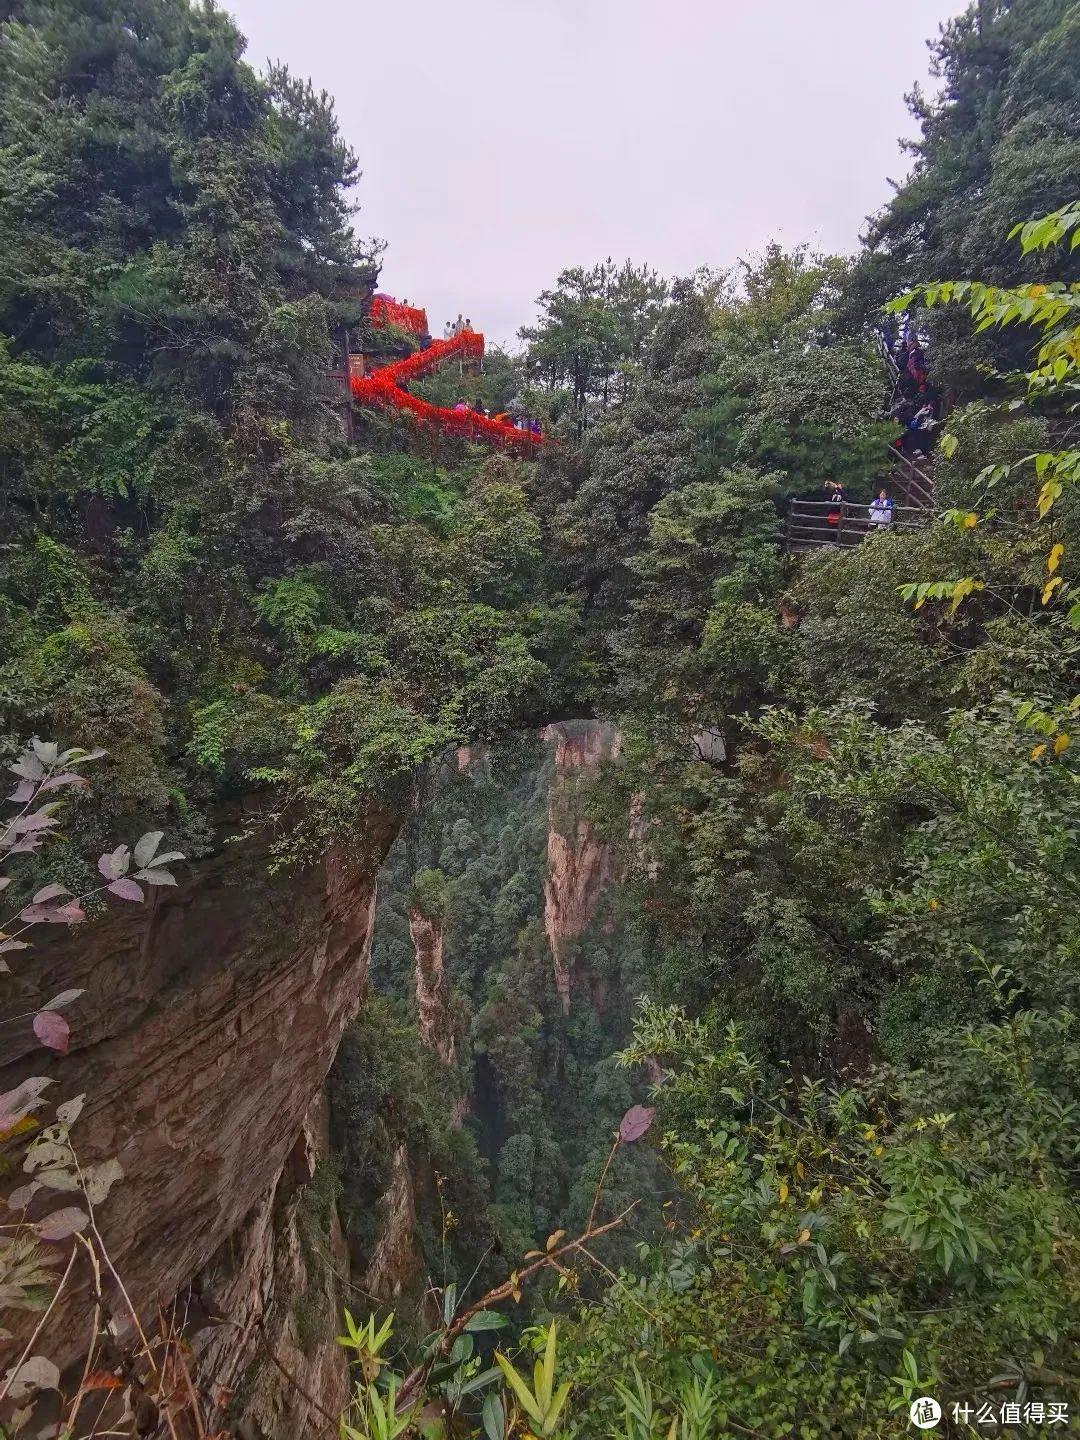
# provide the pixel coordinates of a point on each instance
(881, 510)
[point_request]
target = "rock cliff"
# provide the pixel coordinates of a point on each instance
(435, 1018)
(210, 1018)
(580, 866)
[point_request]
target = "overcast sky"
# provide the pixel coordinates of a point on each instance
(503, 140)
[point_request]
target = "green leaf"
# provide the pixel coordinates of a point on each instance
(493, 1417)
(486, 1320)
(549, 1368)
(520, 1389)
(480, 1382)
(556, 1406)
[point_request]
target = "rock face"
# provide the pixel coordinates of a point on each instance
(210, 1018)
(579, 866)
(436, 1031)
(437, 1025)
(395, 1263)
(473, 760)
(278, 1282)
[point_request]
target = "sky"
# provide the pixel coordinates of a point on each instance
(504, 140)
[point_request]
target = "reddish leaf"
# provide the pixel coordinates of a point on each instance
(69, 914)
(28, 824)
(62, 1223)
(39, 914)
(52, 1030)
(635, 1122)
(19, 1199)
(50, 892)
(102, 1380)
(69, 777)
(125, 889)
(23, 792)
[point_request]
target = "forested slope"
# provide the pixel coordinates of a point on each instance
(716, 1029)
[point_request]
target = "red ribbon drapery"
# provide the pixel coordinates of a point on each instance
(467, 346)
(386, 311)
(383, 388)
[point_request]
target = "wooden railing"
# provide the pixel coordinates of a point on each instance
(916, 485)
(807, 525)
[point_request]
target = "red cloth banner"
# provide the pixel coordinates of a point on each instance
(383, 388)
(468, 345)
(385, 310)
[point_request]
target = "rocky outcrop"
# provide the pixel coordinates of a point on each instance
(431, 1001)
(395, 1263)
(580, 866)
(276, 1285)
(210, 1017)
(435, 1018)
(473, 761)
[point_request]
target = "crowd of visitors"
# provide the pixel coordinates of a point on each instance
(916, 407)
(915, 404)
(500, 417)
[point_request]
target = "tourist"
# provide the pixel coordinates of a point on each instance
(916, 365)
(881, 510)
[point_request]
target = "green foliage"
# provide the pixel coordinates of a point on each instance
(644, 451)
(695, 627)
(293, 605)
(843, 805)
(429, 894)
(829, 1234)
(1052, 310)
(999, 145)
(865, 907)
(195, 566)
(792, 392)
(543, 1403)
(593, 331)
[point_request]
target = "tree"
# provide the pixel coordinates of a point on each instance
(593, 329)
(645, 450)
(793, 390)
(1000, 144)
